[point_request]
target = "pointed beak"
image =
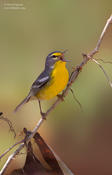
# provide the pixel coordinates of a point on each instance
(63, 59)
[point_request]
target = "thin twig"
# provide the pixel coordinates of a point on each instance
(72, 79)
(9, 149)
(101, 67)
(108, 62)
(109, 21)
(76, 99)
(11, 157)
(8, 122)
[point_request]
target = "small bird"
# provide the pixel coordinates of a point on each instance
(51, 81)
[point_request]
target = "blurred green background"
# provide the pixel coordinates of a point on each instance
(82, 139)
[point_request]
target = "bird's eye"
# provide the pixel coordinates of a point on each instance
(54, 56)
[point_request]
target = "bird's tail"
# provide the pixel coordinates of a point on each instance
(22, 103)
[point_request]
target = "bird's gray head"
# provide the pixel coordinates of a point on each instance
(53, 57)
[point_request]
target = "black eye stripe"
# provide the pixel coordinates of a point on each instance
(54, 56)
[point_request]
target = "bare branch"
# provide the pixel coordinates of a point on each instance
(109, 21)
(101, 67)
(74, 75)
(11, 157)
(8, 122)
(76, 98)
(9, 149)
(108, 62)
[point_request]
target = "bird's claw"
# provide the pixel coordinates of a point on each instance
(60, 97)
(43, 115)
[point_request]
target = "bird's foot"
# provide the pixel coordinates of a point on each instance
(43, 115)
(1, 113)
(60, 96)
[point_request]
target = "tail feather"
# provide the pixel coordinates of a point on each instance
(22, 103)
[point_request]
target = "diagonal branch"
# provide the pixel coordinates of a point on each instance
(96, 49)
(9, 149)
(74, 75)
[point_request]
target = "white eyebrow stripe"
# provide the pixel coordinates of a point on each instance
(43, 79)
(55, 58)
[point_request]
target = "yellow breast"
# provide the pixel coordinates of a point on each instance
(59, 80)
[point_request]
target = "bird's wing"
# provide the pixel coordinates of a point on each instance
(39, 82)
(36, 86)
